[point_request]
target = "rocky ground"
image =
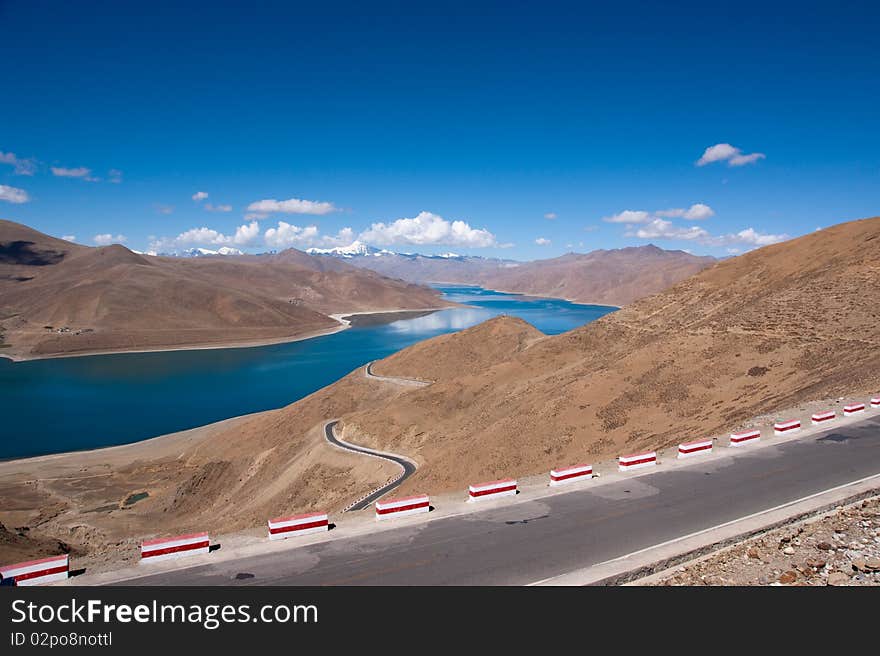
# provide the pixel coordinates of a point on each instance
(839, 548)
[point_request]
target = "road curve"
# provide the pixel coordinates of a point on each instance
(407, 466)
(411, 382)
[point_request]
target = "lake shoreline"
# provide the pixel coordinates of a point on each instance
(339, 317)
(515, 293)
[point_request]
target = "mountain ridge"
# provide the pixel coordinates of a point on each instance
(610, 277)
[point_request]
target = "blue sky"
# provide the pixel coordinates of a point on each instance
(520, 130)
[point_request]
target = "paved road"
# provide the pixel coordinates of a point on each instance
(524, 542)
(407, 382)
(408, 467)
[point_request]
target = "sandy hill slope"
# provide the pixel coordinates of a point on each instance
(58, 298)
(748, 336)
(613, 277)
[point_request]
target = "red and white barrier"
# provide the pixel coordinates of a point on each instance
(875, 402)
(741, 439)
(506, 487)
(402, 507)
(285, 527)
(786, 427)
(37, 572)
(822, 417)
(563, 475)
(176, 547)
(691, 449)
(853, 409)
(636, 461)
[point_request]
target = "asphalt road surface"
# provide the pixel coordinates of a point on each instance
(525, 542)
(408, 467)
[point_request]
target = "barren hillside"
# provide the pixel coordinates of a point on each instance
(615, 277)
(60, 298)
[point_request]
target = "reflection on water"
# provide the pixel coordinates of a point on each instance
(443, 321)
(85, 402)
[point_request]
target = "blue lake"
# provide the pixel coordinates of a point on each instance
(67, 404)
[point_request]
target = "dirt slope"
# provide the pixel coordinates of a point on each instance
(615, 277)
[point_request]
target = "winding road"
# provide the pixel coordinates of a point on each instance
(407, 465)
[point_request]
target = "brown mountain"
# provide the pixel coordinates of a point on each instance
(463, 269)
(612, 277)
(60, 298)
(751, 335)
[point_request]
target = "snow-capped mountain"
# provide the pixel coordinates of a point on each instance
(415, 267)
(358, 249)
(354, 249)
(199, 252)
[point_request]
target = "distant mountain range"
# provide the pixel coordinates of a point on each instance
(360, 249)
(200, 252)
(614, 277)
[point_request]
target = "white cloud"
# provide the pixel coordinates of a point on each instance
(13, 195)
(550, 215)
(164, 209)
(629, 216)
(218, 208)
(662, 229)
(115, 176)
(752, 237)
(81, 172)
(734, 251)
(22, 166)
(541, 241)
(740, 160)
(342, 238)
(200, 195)
(287, 235)
(291, 206)
(244, 235)
(427, 228)
(107, 238)
(725, 152)
(696, 212)
(69, 237)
